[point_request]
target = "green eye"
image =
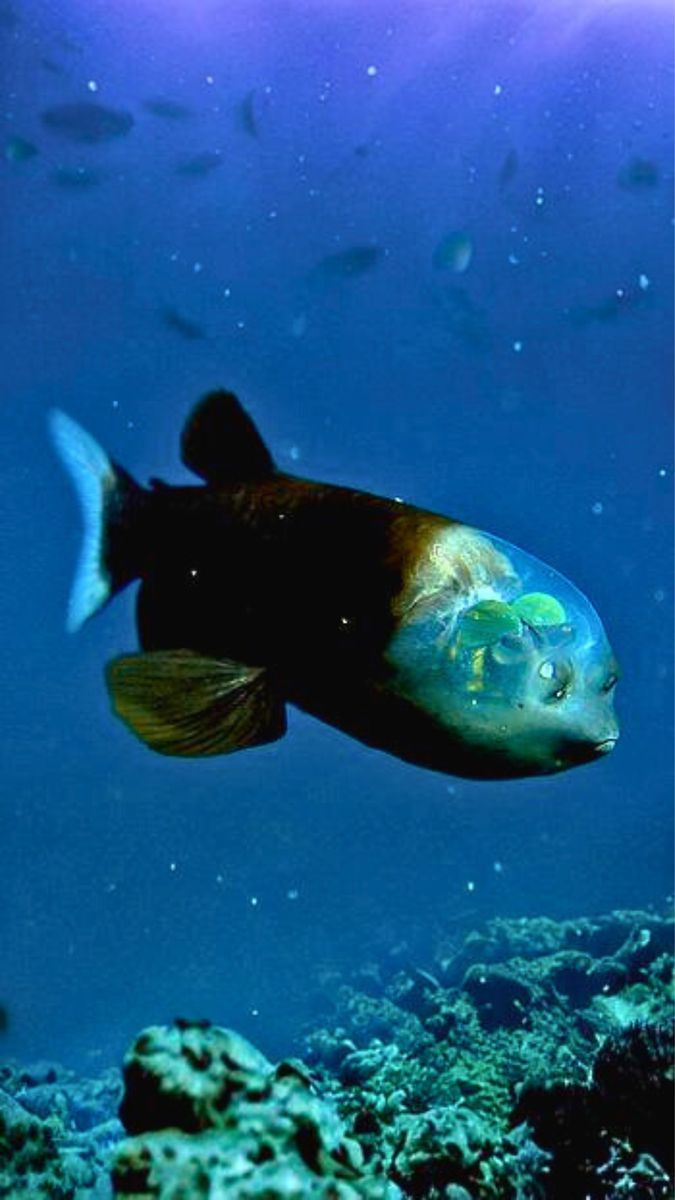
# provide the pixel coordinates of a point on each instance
(487, 622)
(538, 608)
(559, 675)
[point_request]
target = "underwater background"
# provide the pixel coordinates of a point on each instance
(493, 342)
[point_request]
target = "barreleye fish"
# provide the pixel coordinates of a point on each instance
(414, 633)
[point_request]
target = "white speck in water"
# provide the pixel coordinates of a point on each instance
(173, 866)
(470, 885)
(254, 901)
(294, 453)
(255, 1012)
(497, 867)
(197, 267)
(227, 292)
(292, 894)
(371, 70)
(662, 472)
(517, 346)
(660, 595)
(644, 282)
(220, 879)
(597, 508)
(398, 500)
(210, 79)
(92, 85)
(539, 198)
(116, 404)
(272, 214)
(241, 324)
(514, 260)
(498, 89)
(621, 292)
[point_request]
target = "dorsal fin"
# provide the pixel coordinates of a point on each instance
(221, 444)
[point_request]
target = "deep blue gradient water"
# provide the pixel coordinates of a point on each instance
(529, 395)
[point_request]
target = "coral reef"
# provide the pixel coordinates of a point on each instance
(56, 1133)
(232, 1127)
(532, 1062)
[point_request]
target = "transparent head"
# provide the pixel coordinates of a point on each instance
(508, 656)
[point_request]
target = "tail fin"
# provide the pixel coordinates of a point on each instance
(106, 494)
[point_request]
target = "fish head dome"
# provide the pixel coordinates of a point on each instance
(508, 657)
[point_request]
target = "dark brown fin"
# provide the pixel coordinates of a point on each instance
(221, 444)
(179, 702)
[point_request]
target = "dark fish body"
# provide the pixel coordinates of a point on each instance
(508, 169)
(246, 113)
(201, 164)
(382, 619)
(174, 320)
(19, 150)
(87, 122)
(357, 260)
(169, 110)
(639, 174)
(77, 179)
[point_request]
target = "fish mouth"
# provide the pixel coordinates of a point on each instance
(606, 745)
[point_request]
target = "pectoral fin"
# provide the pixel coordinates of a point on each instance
(183, 703)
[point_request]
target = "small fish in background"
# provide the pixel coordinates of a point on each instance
(54, 68)
(200, 165)
(169, 110)
(346, 264)
(623, 301)
(439, 643)
(508, 169)
(638, 175)
(453, 253)
(77, 179)
(246, 115)
(177, 323)
(19, 150)
(86, 122)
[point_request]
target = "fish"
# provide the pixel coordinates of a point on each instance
(87, 122)
(19, 150)
(638, 174)
(416, 634)
(169, 110)
(246, 115)
(174, 320)
(77, 179)
(344, 264)
(454, 252)
(201, 164)
(508, 168)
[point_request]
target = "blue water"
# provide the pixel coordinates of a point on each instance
(529, 395)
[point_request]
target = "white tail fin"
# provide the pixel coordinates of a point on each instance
(94, 478)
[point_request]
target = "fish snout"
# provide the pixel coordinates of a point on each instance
(606, 745)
